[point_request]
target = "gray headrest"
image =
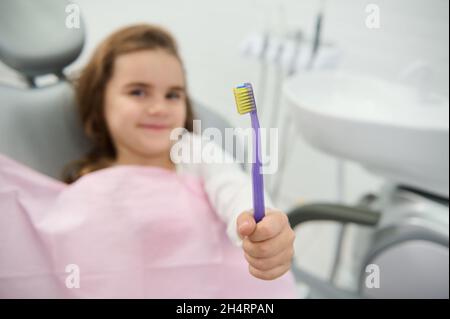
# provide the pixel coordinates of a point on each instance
(34, 38)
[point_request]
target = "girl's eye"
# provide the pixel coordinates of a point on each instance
(173, 96)
(137, 92)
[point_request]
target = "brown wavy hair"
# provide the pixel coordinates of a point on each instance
(90, 92)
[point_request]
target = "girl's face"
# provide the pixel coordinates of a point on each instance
(144, 100)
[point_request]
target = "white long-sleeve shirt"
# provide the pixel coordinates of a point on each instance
(227, 186)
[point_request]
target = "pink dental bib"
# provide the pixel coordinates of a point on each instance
(121, 232)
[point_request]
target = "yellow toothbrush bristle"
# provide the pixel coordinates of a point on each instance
(245, 100)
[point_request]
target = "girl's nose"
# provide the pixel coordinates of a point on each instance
(156, 107)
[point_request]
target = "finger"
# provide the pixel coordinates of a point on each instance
(245, 224)
(272, 262)
(269, 274)
(270, 226)
(271, 247)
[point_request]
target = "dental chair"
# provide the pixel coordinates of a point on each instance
(405, 245)
(39, 126)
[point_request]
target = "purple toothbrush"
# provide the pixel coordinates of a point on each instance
(245, 102)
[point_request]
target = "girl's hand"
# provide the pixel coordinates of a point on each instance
(269, 245)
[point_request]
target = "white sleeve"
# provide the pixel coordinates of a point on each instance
(228, 187)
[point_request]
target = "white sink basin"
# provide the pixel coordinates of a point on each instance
(392, 130)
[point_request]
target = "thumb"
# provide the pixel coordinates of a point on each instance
(246, 224)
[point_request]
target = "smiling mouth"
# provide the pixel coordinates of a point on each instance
(154, 127)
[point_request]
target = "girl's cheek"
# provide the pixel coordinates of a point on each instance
(126, 110)
(181, 115)
(119, 116)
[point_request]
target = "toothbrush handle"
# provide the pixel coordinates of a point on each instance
(258, 186)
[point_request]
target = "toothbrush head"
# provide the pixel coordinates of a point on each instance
(245, 99)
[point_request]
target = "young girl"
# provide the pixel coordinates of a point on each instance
(131, 95)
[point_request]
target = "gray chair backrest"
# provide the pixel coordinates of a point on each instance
(40, 128)
(34, 38)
